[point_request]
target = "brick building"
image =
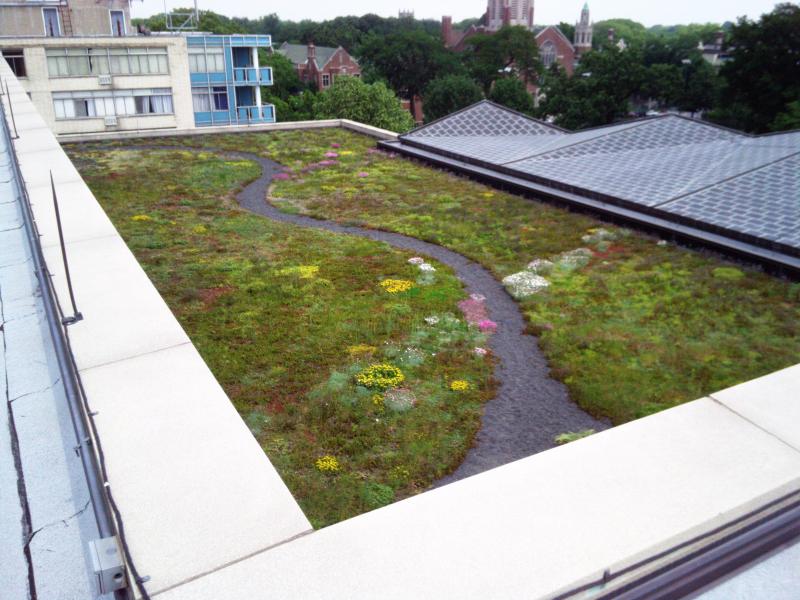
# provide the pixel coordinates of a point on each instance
(320, 64)
(554, 46)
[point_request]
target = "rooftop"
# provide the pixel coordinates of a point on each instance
(206, 515)
(669, 169)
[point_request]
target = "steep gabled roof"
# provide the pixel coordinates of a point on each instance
(558, 32)
(298, 53)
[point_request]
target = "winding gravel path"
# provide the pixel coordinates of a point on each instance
(530, 408)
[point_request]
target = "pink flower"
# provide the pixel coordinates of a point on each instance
(481, 351)
(363, 174)
(281, 176)
(331, 155)
(335, 145)
(327, 163)
(474, 311)
(487, 326)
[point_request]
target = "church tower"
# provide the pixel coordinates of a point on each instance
(500, 13)
(583, 32)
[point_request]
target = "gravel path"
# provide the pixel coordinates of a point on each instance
(530, 408)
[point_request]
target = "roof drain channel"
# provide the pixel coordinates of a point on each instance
(105, 552)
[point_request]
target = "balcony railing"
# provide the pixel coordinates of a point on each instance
(256, 114)
(252, 76)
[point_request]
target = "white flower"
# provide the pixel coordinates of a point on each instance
(432, 320)
(478, 297)
(426, 268)
(416, 261)
(481, 351)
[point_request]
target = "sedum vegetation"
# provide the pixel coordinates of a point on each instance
(288, 318)
(642, 327)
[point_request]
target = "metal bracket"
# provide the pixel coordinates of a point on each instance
(108, 565)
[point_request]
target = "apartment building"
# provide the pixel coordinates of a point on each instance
(87, 70)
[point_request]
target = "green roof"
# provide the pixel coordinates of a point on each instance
(298, 53)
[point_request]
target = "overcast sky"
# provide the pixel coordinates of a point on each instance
(665, 12)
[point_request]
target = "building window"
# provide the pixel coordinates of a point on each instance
(78, 105)
(117, 23)
(548, 54)
(81, 62)
(52, 27)
(326, 80)
(16, 60)
(206, 60)
(220, 98)
(205, 100)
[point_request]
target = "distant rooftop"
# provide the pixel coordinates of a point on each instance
(298, 53)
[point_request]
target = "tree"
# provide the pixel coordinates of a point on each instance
(763, 77)
(286, 82)
(789, 119)
(598, 94)
(663, 83)
(632, 32)
(567, 29)
(510, 51)
(513, 94)
(407, 61)
(448, 94)
(373, 104)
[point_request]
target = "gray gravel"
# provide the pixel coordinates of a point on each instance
(530, 408)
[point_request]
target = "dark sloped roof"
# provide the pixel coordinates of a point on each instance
(298, 53)
(681, 169)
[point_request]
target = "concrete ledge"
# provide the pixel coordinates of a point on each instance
(195, 490)
(375, 132)
(538, 526)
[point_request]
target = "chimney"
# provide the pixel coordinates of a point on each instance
(447, 30)
(611, 34)
(312, 52)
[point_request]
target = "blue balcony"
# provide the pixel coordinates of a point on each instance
(252, 76)
(256, 114)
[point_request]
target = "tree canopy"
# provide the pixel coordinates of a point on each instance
(513, 94)
(448, 94)
(763, 78)
(373, 104)
(510, 51)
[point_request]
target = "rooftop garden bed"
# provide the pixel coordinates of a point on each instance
(352, 366)
(639, 326)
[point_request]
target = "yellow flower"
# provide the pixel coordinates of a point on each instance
(141, 218)
(395, 286)
(459, 385)
(380, 377)
(302, 271)
(488, 194)
(199, 229)
(377, 400)
(327, 464)
(361, 350)
(346, 153)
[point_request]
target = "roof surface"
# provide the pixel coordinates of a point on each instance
(679, 168)
(298, 53)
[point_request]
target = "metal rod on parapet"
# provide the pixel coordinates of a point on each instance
(11, 110)
(76, 316)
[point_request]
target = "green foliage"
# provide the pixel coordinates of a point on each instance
(284, 75)
(513, 94)
(448, 94)
(407, 61)
(299, 107)
(632, 32)
(789, 119)
(599, 93)
(763, 77)
(640, 328)
(373, 104)
(274, 309)
(510, 51)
